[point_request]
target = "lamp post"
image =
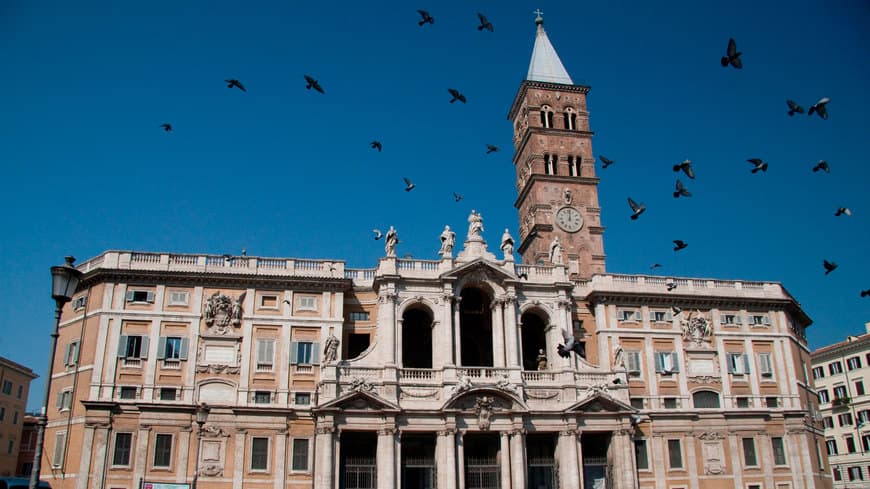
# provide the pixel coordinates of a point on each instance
(64, 281)
(201, 417)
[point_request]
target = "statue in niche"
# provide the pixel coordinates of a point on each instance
(448, 240)
(475, 226)
(569, 197)
(483, 408)
(222, 313)
(556, 252)
(618, 358)
(507, 244)
(391, 239)
(542, 360)
(696, 329)
(330, 349)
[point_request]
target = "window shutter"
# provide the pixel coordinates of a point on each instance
(729, 358)
(659, 362)
(58, 403)
(669, 316)
(722, 319)
(150, 297)
(764, 364)
(738, 319)
(315, 353)
(637, 316)
(261, 350)
(143, 352)
(184, 345)
(67, 354)
(294, 352)
(765, 319)
(675, 362)
(129, 296)
(745, 363)
(161, 348)
(76, 346)
(122, 347)
(633, 361)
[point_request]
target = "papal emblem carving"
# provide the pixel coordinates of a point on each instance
(697, 329)
(484, 407)
(223, 313)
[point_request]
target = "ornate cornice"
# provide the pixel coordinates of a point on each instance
(527, 84)
(215, 280)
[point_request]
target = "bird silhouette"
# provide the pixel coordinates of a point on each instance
(681, 190)
(287, 302)
(456, 95)
(408, 185)
(686, 166)
(233, 83)
(671, 286)
(794, 108)
(655, 265)
(523, 275)
(605, 162)
(679, 244)
(457, 197)
(676, 310)
(865, 293)
(759, 165)
(484, 24)
(377, 145)
(571, 345)
(636, 208)
(732, 56)
(820, 107)
(822, 165)
(829, 266)
(378, 234)
(166, 126)
(312, 83)
(491, 148)
(425, 18)
(843, 211)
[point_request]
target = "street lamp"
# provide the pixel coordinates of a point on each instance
(64, 281)
(201, 417)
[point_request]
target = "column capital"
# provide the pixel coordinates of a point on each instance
(517, 431)
(324, 430)
(568, 432)
(388, 297)
(387, 431)
(447, 432)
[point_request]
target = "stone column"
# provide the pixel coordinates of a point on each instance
(691, 462)
(280, 475)
(140, 463)
(239, 457)
(510, 330)
(518, 459)
(460, 466)
(444, 353)
(446, 451)
(183, 456)
(387, 323)
(497, 334)
(323, 459)
(579, 447)
(734, 449)
(569, 468)
(504, 460)
(457, 331)
(386, 458)
(87, 454)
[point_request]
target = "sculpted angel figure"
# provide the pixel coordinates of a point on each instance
(448, 240)
(391, 239)
(475, 225)
(236, 313)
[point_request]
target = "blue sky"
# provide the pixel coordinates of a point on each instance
(283, 171)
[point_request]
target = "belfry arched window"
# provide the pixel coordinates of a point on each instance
(546, 116)
(570, 118)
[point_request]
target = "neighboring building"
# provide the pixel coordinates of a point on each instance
(27, 447)
(438, 373)
(841, 374)
(14, 387)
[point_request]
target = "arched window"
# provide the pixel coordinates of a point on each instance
(706, 400)
(417, 338)
(570, 118)
(534, 339)
(475, 328)
(551, 166)
(546, 116)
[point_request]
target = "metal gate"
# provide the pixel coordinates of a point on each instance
(542, 473)
(597, 473)
(360, 473)
(482, 473)
(418, 473)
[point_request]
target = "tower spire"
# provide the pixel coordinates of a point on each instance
(546, 65)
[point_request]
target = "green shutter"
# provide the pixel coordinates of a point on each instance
(161, 348)
(184, 345)
(129, 296)
(150, 297)
(122, 346)
(315, 353)
(745, 363)
(659, 362)
(143, 352)
(294, 352)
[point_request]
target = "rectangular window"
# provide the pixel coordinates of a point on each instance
(831, 446)
(637, 402)
(819, 372)
(10, 447)
(59, 449)
(865, 442)
(837, 475)
(859, 388)
(168, 393)
(163, 450)
(302, 398)
(765, 365)
(629, 315)
(64, 400)
(80, 303)
(855, 474)
(850, 444)
(20, 391)
(743, 402)
(828, 422)
(863, 416)
(738, 363)
(123, 445)
(7, 387)
(771, 402)
(778, 450)
(633, 363)
(749, 457)
(306, 303)
(172, 348)
(178, 297)
(265, 355)
(358, 316)
(853, 363)
(666, 362)
(845, 419)
(269, 301)
(300, 454)
(839, 391)
(259, 453)
(730, 319)
(303, 353)
(2, 413)
(759, 320)
(71, 355)
(127, 393)
(670, 403)
(824, 398)
(675, 454)
(661, 316)
(641, 455)
(262, 397)
(133, 346)
(140, 296)
(835, 368)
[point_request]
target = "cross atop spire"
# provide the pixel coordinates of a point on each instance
(540, 16)
(546, 65)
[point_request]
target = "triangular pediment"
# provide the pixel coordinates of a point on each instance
(479, 266)
(502, 400)
(600, 402)
(360, 400)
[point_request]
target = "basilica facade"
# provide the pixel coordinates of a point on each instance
(251, 372)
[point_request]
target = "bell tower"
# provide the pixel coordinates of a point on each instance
(557, 191)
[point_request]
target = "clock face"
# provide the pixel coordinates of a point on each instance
(569, 219)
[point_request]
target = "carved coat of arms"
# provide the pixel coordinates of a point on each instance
(697, 329)
(223, 313)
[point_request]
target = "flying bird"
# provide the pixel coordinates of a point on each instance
(759, 165)
(456, 95)
(457, 197)
(671, 286)
(679, 244)
(166, 126)
(312, 83)
(820, 108)
(636, 208)
(794, 108)
(233, 83)
(378, 234)
(829, 266)
(732, 56)
(686, 166)
(377, 145)
(491, 148)
(484, 24)
(570, 345)
(681, 190)
(822, 165)
(676, 310)
(605, 162)
(408, 185)
(523, 275)
(843, 210)
(655, 265)
(865, 293)
(425, 18)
